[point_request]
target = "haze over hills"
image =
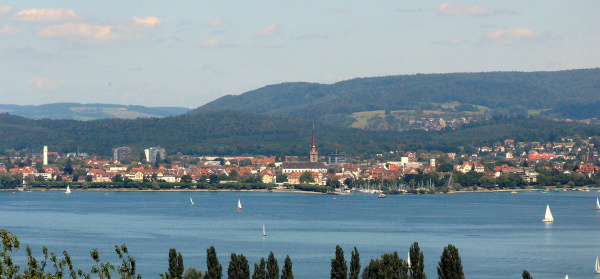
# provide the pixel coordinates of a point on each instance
(439, 93)
(77, 111)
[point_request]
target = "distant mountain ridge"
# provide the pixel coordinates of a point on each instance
(494, 90)
(78, 111)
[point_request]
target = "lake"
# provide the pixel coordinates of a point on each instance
(498, 235)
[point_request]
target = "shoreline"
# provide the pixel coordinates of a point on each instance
(275, 190)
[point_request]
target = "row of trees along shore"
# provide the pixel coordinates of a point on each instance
(389, 266)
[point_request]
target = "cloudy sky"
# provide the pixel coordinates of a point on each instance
(187, 53)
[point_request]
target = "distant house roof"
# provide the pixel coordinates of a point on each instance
(304, 165)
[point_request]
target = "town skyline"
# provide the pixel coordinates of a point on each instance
(195, 52)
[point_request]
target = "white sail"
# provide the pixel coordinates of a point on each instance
(408, 259)
(567, 277)
(239, 204)
(191, 201)
(597, 266)
(264, 231)
(68, 191)
(597, 204)
(548, 217)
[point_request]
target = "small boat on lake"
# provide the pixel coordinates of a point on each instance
(239, 205)
(408, 259)
(264, 231)
(597, 267)
(68, 191)
(597, 204)
(191, 201)
(382, 195)
(548, 217)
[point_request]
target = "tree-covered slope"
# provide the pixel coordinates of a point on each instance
(237, 133)
(531, 90)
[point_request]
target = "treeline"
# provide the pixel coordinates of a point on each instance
(390, 265)
(530, 90)
(237, 133)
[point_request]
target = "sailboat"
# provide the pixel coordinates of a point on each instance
(265, 234)
(239, 205)
(597, 266)
(68, 191)
(408, 259)
(191, 201)
(548, 218)
(597, 204)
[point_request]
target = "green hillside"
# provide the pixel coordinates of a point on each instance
(336, 102)
(238, 133)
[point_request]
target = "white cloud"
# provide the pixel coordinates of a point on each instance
(340, 10)
(269, 31)
(5, 9)
(511, 36)
(448, 9)
(88, 31)
(210, 43)
(42, 83)
(7, 31)
(46, 15)
(214, 22)
(150, 21)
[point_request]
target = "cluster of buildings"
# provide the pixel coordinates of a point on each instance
(503, 158)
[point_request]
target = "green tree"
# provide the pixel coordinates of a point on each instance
(8, 163)
(233, 269)
(260, 271)
(339, 269)
(306, 177)
(526, 275)
(238, 267)
(393, 266)
(355, 264)
(272, 267)
(214, 179)
(192, 273)
(450, 266)
(175, 265)
(215, 270)
(117, 178)
(389, 266)
(127, 269)
(186, 178)
(417, 262)
(371, 271)
(281, 178)
(286, 272)
(68, 167)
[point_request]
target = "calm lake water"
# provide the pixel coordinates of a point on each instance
(497, 234)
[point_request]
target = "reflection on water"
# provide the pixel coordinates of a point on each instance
(497, 234)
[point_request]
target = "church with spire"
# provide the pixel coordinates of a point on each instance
(313, 152)
(313, 165)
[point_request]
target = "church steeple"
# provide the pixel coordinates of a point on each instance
(313, 152)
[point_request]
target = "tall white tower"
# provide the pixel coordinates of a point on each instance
(45, 155)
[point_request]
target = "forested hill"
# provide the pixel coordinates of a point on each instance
(531, 90)
(237, 133)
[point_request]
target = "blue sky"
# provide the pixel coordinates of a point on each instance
(188, 53)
